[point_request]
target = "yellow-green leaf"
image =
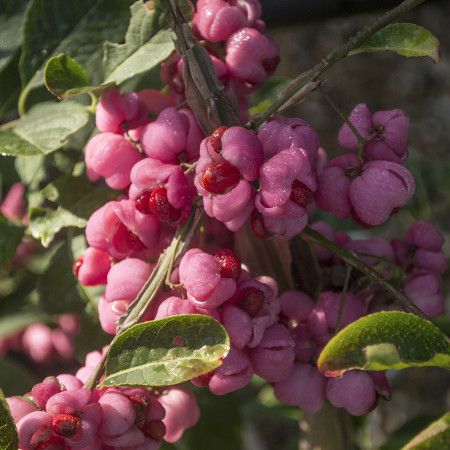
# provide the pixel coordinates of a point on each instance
(8, 433)
(406, 39)
(385, 340)
(65, 77)
(166, 352)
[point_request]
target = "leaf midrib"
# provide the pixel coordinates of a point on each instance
(142, 48)
(159, 362)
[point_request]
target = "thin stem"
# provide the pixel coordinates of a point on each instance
(352, 259)
(136, 311)
(94, 101)
(96, 374)
(21, 106)
(383, 260)
(202, 235)
(167, 281)
(361, 141)
(333, 57)
(348, 274)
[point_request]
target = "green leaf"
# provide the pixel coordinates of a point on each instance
(78, 195)
(44, 129)
(63, 74)
(45, 223)
(144, 47)
(11, 16)
(13, 145)
(144, 59)
(58, 288)
(144, 24)
(406, 39)
(385, 340)
(10, 237)
(31, 170)
(434, 437)
(8, 432)
(48, 125)
(65, 77)
(77, 198)
(166, 352)
(76, 28)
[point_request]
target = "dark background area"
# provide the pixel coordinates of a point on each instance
(282, 12)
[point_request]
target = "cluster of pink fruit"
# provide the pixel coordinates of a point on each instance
(275, 337)
(60, 414)
(373, 186)
(271, 179)
(158, 156)
(414, 265)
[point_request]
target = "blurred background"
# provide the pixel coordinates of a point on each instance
(306, 30)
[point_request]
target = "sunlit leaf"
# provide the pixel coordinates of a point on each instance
(385, 340)
(166, 352)
(406, 39)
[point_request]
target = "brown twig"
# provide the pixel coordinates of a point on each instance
(343, 300)
(361, 141)
(352, 260)
(212, 105)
